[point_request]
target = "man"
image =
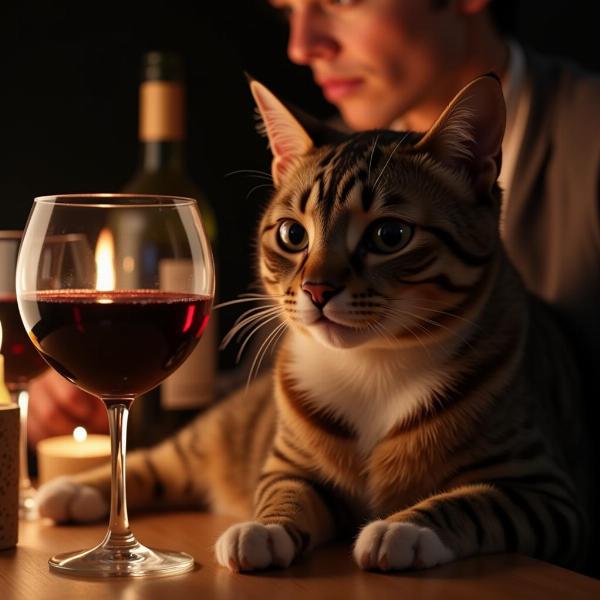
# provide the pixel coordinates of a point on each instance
(397, 63)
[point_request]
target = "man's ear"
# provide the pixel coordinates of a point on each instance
(468, 134)
(287, 138)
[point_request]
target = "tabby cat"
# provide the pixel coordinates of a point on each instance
(421, 400)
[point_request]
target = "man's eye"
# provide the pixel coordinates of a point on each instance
(291, 236)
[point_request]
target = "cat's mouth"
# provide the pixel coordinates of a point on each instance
(335, 334)
(325, 321)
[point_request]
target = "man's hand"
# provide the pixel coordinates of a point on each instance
(56, 407)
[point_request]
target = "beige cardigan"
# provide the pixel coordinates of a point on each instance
(552, 221)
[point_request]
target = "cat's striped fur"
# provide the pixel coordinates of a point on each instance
(440, 403)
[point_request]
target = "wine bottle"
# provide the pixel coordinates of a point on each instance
(162, 170)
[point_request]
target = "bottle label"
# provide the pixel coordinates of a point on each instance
(161, 111)
(192, 384)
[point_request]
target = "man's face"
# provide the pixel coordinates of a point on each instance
(376, 59)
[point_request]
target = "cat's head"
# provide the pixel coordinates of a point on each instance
(374, 238)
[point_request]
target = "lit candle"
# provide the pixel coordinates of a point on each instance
(70, 454)
(4, 393)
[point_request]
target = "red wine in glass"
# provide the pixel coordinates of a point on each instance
(22, 362)
(116, 343)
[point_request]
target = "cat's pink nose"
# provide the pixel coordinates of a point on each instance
(320, 293)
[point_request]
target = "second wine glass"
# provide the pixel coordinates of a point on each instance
(115, 329)
(21, 361)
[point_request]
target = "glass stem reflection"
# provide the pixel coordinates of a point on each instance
(26, 490)
(119, 534)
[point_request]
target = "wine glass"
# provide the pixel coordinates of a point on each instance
(21, 361)
(115, 329)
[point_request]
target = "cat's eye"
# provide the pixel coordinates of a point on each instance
(292, 236)
(387, 236)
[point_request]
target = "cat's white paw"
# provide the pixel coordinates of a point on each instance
(64, 501)
(249, 546)
(396, 546)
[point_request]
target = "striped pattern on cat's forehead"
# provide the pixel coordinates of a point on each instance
(362, 159)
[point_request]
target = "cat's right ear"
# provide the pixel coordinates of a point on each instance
(287, 138)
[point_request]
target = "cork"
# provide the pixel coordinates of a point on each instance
(9, 475)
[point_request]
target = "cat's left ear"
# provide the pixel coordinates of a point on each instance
(292, 133)
(287, 138)
(469, 133)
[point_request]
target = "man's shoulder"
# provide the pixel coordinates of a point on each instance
(575, 91)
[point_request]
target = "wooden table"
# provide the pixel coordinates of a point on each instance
(327, 573)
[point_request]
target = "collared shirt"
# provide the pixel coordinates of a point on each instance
(517, 95)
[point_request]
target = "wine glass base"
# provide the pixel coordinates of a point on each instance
(134, 561)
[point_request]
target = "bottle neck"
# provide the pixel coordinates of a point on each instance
(163, 155)
(162, 127)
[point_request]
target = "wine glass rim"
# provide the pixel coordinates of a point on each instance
(110, 200)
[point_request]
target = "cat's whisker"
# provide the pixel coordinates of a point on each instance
(429, 304)
(388, 311)
(389, 158)
(420, 318)
(258, 187)
(401, 313)
(409, 329)
(246, 318)
(253, 294)
(432, 322)
(262, 351)
(379, 329)
(371, 159)
(251, 311)
(422, 327)
(254, 172)
(248, 321)
(249, 325)
(242, 300)
(253, 333)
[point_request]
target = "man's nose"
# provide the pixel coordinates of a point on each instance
(320, 292)
(310, 36)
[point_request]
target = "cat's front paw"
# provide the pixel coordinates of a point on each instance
(250, 546)
(64, 501)
(397, 546)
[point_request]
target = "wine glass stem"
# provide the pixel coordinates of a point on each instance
(119, 534)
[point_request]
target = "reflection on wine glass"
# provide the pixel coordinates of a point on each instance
(21, 361)
(109, 327)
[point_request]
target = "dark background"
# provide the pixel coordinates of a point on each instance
(69, 74)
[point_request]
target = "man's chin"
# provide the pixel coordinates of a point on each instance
(360, 113)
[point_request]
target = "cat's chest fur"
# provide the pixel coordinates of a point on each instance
(370, 391)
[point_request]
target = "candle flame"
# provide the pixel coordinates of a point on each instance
(80, 434)
(104, 256)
